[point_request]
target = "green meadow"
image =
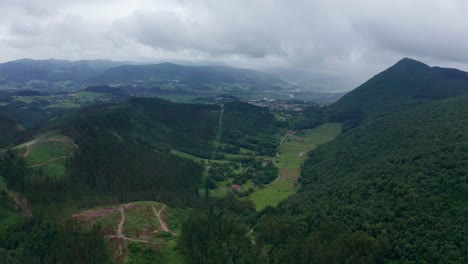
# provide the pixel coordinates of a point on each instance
(292, 154)
(273, 193)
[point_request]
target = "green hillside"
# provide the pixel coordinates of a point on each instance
(393, 189)
(407, 84)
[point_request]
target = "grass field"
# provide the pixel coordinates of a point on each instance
(49, 155)
(293, 153)
(186, 155)
(273, 193)
(195, 158)
(45, 151)
(141, 220)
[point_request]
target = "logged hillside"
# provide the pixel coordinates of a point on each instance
(394, 188)
(407, 84)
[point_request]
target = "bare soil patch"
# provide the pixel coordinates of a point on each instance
(290, 174)
(95, 213)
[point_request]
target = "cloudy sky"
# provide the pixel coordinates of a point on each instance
(351, 40)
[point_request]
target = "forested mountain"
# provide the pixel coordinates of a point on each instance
(156, 123)
(390, 189)
(393, 189)
(59, 76)
(250, 127)
(407, 84)
(193, 77)
(25, 70)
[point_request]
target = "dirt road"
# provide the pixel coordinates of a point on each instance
(51, 160)
(161, 221)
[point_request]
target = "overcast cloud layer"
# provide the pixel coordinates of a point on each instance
(348, 39)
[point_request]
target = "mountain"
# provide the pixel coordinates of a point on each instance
(393, 189)
(52, 70)
(406, 84)
(173, 76)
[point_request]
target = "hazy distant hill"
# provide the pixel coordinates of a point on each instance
(25, 70)
(404, 85)
(173, 76)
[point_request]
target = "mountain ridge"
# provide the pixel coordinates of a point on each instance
(188, 75)
(406, 84)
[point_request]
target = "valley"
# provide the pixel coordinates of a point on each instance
(113, 173)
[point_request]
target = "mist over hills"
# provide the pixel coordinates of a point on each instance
(200, 77)
(107, 71)
(53, 70)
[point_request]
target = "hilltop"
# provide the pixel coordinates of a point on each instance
(406, 84)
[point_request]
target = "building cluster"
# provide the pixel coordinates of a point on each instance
(280, 105)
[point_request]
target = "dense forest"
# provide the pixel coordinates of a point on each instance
(109, 165)
(393, 189)
(152, 122)
(38, 239)
(217, 232)
(250, 127)
(50, 241)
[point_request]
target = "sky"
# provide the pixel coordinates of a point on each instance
(346, 40)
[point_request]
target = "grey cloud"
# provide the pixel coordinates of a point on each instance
(349, 39)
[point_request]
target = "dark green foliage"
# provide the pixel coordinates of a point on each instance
(48, 241)
(196, 121)
(131, 171)
(252, 169)
(216, 233)
(14, 170)
(310, 118)
(250, 127)
(155, 123)
(41, 191)
(407, 84)
(15, 115)
(326, 244)
(143, 254)
(119, 93)
(395, 187)
(266, 174)
(8, 127)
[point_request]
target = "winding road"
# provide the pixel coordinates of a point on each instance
(50, 161)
